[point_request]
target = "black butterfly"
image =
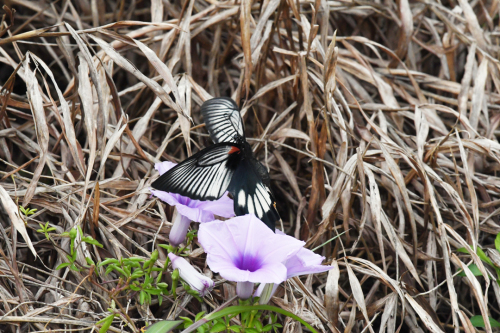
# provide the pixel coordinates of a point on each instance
(228, 165)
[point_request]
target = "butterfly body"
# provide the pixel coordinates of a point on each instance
(228, 165)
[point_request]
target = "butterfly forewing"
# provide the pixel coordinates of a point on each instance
(223, 120)
(252, 195)
(228, 165)
(205, 175)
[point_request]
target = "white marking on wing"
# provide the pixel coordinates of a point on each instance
(241, 198)
(250, 205)
(265, 193)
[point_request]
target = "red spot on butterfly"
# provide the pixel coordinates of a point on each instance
(234, 150)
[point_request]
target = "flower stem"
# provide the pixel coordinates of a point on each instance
(179, 230)
(244, 289)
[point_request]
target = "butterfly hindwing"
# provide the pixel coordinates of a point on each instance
(204, 176)
(228, 165)
(251, 194)
(223, 120)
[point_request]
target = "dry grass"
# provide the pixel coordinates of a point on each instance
(387, 133)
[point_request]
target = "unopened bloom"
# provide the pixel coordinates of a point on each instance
(190, 210)
(191, 276)
(243, 249)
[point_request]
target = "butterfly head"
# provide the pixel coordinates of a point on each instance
(239, 139)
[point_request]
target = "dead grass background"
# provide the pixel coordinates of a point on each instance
(387, 133)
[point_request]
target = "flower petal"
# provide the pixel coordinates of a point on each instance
(223, 207)
(195, 214)
(245, 249)
(191, 276)
(217, 241)
(163, 167)
(245, 236)
(192, 209)
(170, 198)
(270, 273)
(179, 230)
(305, 262)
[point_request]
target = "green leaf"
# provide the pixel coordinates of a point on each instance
(247, 308)
(119, 270)
(109, 261)
(218, 328)
(137, 259)
(463, 250)
(163, 326)
(245, 316)
(167, 247)
(235, 328)
(154, 291)
(478, 321)
(109, 269)
(134, 265)
(267, 328)
(187, 321)
(64, 264)
(251, 330)
(483, 256)
(137, 274)
(92, 241)
(474, 269)
(162, 285)
(258, 325)
(106, 323)
(199, 315)
(89, 261)
(142, 297)
(497, 242)
(50, 229)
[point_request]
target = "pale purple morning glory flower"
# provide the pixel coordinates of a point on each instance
(303, 262)
(243, 249)
(191, 276)
(190, 210)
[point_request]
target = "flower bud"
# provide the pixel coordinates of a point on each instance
(191, 276)
(265, 291)
(154, 256)
(72, 233)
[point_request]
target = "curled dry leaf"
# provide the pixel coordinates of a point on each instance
(17, 222)
(42, 131)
